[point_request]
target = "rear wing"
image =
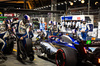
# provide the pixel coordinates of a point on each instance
(90, 43)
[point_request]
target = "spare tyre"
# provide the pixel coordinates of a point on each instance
(29, 46)
(66, 57)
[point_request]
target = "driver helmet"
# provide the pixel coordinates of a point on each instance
(26, 18)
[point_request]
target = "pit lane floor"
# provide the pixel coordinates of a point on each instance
(12, 61)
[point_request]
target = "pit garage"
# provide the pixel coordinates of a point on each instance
(49, 33)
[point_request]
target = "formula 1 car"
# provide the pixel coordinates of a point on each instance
(69, 52)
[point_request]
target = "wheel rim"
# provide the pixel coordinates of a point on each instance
(60, 58)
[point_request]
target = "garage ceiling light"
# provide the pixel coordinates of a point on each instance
(79, 0)
(75, 0)
(96, 3)
(82, 1)
(71, 3)
(49, 5)
(58, 3)
(62, 3)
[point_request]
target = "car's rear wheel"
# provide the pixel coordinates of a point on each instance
(66, 57)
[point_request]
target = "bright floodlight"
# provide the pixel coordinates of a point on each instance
(79, 0)
(71, 3)
(82, 1)
(74, 0)
(96, 3)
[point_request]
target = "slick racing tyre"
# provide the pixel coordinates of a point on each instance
(9, 47)
(66, 57)
(21, 51)
(29, 49)
(28, 46)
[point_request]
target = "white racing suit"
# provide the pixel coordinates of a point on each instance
(21, 30)
(78, 24)
(84, 27)
(21, 27)
(63, 28)
(73, 25)
(69, 24)
(3, 35)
